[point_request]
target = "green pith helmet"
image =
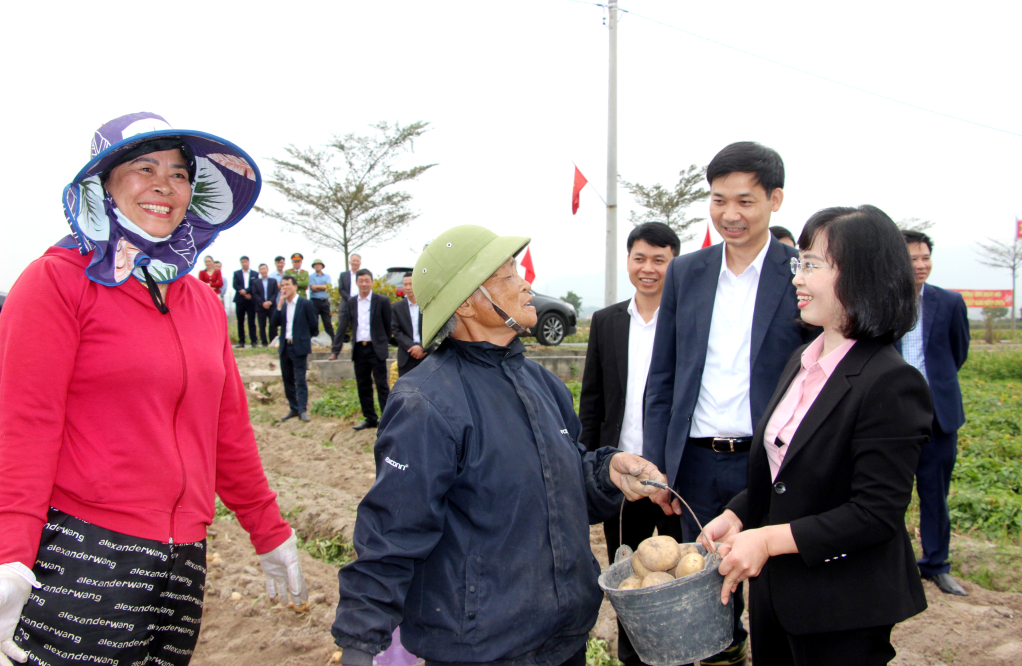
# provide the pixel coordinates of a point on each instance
(453, 266)
(318, 261)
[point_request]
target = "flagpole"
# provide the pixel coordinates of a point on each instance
(610, 283)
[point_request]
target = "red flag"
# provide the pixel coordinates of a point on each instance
(580, 182)
(706, 241)
(530, 274)
(1018, 227)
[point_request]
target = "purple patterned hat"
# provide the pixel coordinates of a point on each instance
(225, 187)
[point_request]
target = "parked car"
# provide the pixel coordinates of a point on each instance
(394, 276)
(556, 319)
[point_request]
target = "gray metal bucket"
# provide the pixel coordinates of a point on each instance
(676, 623)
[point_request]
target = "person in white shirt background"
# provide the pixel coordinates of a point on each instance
(614, 384)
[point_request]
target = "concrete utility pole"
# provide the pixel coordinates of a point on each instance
(610, 284)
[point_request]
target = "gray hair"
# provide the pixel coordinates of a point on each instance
(447, 329)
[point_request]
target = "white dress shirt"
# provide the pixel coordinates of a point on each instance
(290, 318)
(244, 279)
(266, 286)
(413, 312)
(353, 287)
(723, 408)
(640, 351)
(362, 333)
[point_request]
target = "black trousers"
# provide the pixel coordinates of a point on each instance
(245, 309)
(370, 368)
(933, 481)
(640, 519)
(292, 371)
(409, 365)
(322, 306)
(772, 645)
(264, 315)
(107, 597)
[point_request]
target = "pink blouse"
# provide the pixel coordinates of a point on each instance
(798, 399)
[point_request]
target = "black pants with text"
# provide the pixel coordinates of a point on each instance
(370, 368)
(110, 598)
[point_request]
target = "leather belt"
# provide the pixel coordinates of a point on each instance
(723, 444)
(363, 343)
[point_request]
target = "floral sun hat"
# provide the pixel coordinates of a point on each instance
(225, 186)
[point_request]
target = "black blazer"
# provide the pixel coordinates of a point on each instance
(401, 331)
(601, 405)
(945, 347)
(844, 486)
(344, 285)
(258, 297)
(239, 284)
(304, 329)
(379, 325)
(683, 333)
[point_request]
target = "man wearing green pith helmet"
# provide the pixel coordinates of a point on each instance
(475, 536)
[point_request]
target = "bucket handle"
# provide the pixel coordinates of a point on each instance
(663, 486)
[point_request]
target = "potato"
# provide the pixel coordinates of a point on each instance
(690, 564)
(659, 553)
(630, 583)
(686, 548)
(657, 578)
(637, 567)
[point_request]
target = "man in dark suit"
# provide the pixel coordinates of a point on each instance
(406, 329)
(347, 284)
(264, 294)
(244, 306)
(298, 324)
(369, 317)
(614, 382)
(727, 325)
(937, 347)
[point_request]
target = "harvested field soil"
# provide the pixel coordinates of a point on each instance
(322, 469)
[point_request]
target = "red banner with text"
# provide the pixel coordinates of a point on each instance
(987, 298)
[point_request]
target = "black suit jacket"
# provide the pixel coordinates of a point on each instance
(401, 331)
(601, 406)
(344, 285)
(844, 486)
(258, 297)
(682, 336)
(379, 325)
(239, 284)
(304, 328)
(945, 348)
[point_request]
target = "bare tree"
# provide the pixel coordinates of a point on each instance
(346, 204)
(668, 206)
(1003, 255)
(914, 224)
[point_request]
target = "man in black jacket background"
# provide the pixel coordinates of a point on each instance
(264, 294)
(298, 324)
(244, 306)
(406, 329)
(369, 317)
(614, 384)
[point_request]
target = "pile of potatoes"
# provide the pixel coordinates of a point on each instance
(660, 560)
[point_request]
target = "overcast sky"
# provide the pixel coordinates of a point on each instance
(515, 92)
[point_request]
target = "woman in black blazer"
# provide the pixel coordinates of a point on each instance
(820, 530)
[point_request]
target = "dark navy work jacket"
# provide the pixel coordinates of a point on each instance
(475, 536)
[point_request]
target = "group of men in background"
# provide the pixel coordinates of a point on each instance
(365, 319)
(728, 322)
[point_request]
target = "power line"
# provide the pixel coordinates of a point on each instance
(806, 72)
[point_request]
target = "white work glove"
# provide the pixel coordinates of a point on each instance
(16, 583)
(284, 572)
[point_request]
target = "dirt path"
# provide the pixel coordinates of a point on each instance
(322, 469)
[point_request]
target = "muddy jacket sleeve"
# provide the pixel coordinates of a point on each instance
(399, 522)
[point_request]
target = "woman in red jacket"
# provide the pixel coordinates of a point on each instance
(111, 456)
(211, 275)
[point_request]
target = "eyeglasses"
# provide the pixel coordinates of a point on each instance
(806, 268)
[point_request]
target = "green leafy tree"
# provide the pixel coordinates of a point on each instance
(343, 196)
(669, 206)
(575, 301)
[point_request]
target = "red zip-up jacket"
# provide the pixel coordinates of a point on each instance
(121, 416)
